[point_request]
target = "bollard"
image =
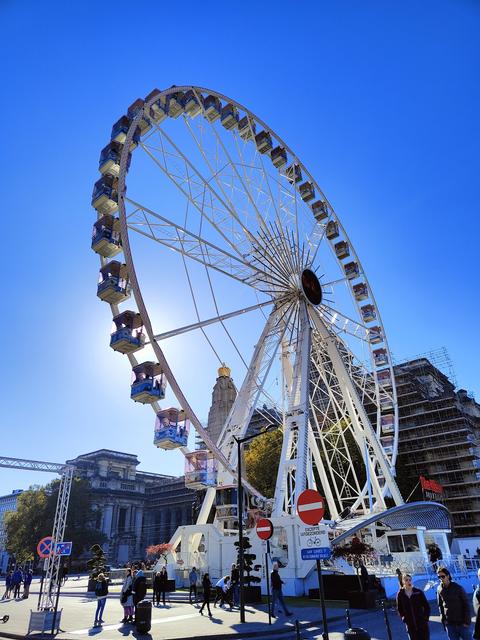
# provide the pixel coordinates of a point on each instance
(387, 622)
(357, 633)
(297, 630)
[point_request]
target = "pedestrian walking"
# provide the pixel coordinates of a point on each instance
(101, 591)
(277, 593)
(414, 610)
(27, 581)
(207, 589)
(8, 586)
(235, 579)
(139, 588)
(17, 578)
(454, 607)
(192, 578)
(126, 597)
(476, 608)
(160, 584)
(223, 592)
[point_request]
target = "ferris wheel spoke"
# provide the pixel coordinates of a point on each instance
(343, 323)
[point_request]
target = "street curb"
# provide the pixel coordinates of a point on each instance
(218, 636)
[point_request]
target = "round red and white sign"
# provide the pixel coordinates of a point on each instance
(310, 507)
(264, 529)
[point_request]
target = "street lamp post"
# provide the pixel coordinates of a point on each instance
(241, 563)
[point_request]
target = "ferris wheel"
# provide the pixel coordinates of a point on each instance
(232, 251)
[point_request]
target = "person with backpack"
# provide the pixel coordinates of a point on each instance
(476, 608)
(101, 591)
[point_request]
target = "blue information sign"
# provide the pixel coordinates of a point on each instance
(63, 549)
(317, 553)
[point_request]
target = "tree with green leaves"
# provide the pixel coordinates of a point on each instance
(262, 457)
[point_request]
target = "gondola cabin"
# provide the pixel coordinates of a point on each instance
(120, 130)
(109, 162)
(307, 191)
(263, 140)
(246, 128)
(212, 107)
(380, 356)
(368, 313)
(128, 333)
(375, 335)
(106, 239)
(279, 157)
(149, 383)
(387, 422)
(134, 109)
(320, 212)
(174, 104)
(342, 250)
(229, 117)
(331, 230)
(387, 444)
(293, 173)
(384, 378)
(360, 291)
(226, 505)
(113, 286)
(200, 469)
(386, 403)
(105, 195)
(352, 270)
(158, 109)
(171, 429)
(191, 103)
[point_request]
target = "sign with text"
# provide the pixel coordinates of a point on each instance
(319, 553)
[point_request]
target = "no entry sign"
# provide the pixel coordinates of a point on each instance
(264, 529)
(310, 507)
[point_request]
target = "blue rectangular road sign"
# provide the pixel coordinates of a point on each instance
(63, 549)
(316, 553)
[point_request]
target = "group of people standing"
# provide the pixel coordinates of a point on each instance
(13, 584)
(453, 603)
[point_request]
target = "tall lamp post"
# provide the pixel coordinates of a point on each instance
(239, 442)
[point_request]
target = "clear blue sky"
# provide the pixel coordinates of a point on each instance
(379, 99)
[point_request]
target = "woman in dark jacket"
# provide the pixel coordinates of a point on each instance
(101, 591)
(207, 588)
(139, 588)
(413, 609)
(160, 585)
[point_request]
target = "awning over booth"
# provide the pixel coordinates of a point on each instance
(431, 515)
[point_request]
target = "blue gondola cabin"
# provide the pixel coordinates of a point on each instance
(191, 103)
(149, 383)
(113, 286)
(200, 469)
(229, 118)
(109, 162)
(105, 195)
(171, 429)
(368, 313)
(106, 239)
(128, 333)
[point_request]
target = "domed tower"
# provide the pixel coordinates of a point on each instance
(223, 397)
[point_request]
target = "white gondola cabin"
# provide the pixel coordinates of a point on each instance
(384, 378)
(109, 162)
(387, 444)
(331, 230)
(192, 104)
(360, 291)
(106, 239)
(368, 313)
(320, 211)
(212, 107)
(293, 173)
(307, 191)
(171, 429)
(136, 107)
(226, 504)
(158, 110)
(375, 335)
(352, 270)
(246, 128)
(105, 195)
(149, 383)
(342, 250)
(128, 333)
(278, 156)
(380, 356)
(263, 140)
(229, 117)
(200, 469)
(113, 286)
(388, 422)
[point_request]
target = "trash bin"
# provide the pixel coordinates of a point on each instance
(357, 633)
(143, 616)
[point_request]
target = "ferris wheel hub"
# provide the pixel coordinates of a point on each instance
(311, 287)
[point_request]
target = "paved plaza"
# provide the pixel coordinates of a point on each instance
(180, 620)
